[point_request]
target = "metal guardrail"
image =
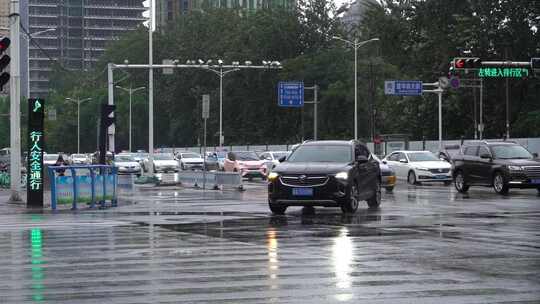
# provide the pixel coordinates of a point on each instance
(214, 179)
(99, 186)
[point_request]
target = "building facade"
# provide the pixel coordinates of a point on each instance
(73, 33)
(167, 11)
(4, 19)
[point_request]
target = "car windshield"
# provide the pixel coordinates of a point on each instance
(422, 156)
(246, 156)
(221, 154)
(124, 158)
(321, 153)
(78, 156)
(163, 157)
(510, 152)
(190, 155)
(278, 155)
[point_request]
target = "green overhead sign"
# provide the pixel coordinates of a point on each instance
(503, 72)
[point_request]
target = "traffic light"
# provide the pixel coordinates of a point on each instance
(535, 63)
(106, 111)
(467, 63)
(4, 61)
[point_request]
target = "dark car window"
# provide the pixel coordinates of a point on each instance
(510, 152)
(322, 153)
(483, 150)
(393, 157)
(471, 150)
(246, 156)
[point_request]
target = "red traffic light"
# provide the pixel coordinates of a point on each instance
(459, 63)
(4, 44)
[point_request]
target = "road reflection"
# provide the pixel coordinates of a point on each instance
(273, 262)
(36, 260)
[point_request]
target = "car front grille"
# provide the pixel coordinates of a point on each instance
(532, 171)
(445, 170)
(303, 180)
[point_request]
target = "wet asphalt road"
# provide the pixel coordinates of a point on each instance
(426, 244)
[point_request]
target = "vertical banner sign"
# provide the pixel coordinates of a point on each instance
(36, 143)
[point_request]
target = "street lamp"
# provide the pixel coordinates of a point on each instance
(130, 90)
(355, 45)
(78, 102)
(222, 70)
(28, 38)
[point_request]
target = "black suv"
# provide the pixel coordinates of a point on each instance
(502, 165)
(325, 173)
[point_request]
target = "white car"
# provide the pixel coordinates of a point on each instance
(126, 164)
(79, 159)
(419, 166)
(50, 159)
(190, 160)
(271, 158)
(163, 162)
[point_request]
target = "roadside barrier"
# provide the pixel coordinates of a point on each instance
(213, 180)
(98, 185)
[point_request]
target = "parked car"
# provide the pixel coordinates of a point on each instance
(50, 159)
(79, 159)
(126, 164)
(140, 157)
(419, 167)
(326, 173)
(501, 165)
(271, 158)
(190, 160)
(163, 162)
(211, 161)
(388, 175)
(449, 152)
(247, 163)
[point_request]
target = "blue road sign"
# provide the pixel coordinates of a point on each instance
(403, 87)
(291, 94)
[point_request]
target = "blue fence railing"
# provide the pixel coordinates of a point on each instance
(96, 184)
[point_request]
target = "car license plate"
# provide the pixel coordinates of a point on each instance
(440, 176)
(535, 181)
(302, 191)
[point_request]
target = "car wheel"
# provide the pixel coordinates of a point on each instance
(351, 204)
(447, 183)
(411, 178)
(459, 182)
(389, 189)
(499, 183)
(276, 209)
(375, 200)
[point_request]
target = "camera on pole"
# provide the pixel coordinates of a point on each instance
(4, 61)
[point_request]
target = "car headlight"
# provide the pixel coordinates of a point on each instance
(422, 169)
(342, 175)
(515, 168)
(272, 176)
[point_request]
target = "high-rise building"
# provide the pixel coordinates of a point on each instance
(168, 11)
(4, 19)
(73, 33)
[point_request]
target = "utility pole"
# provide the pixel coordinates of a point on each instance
(15, 101)
(315, 102)
(150, 93)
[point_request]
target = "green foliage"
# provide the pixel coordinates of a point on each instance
(417, 41)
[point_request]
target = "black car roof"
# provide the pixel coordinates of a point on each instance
(330, 142)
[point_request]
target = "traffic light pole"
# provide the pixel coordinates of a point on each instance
(15, 102)
(438, 90)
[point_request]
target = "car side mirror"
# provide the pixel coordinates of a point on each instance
(361, 159)
(403, 160)
(535, 155)
(485, 156)
(282, 159)
(384, 162)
